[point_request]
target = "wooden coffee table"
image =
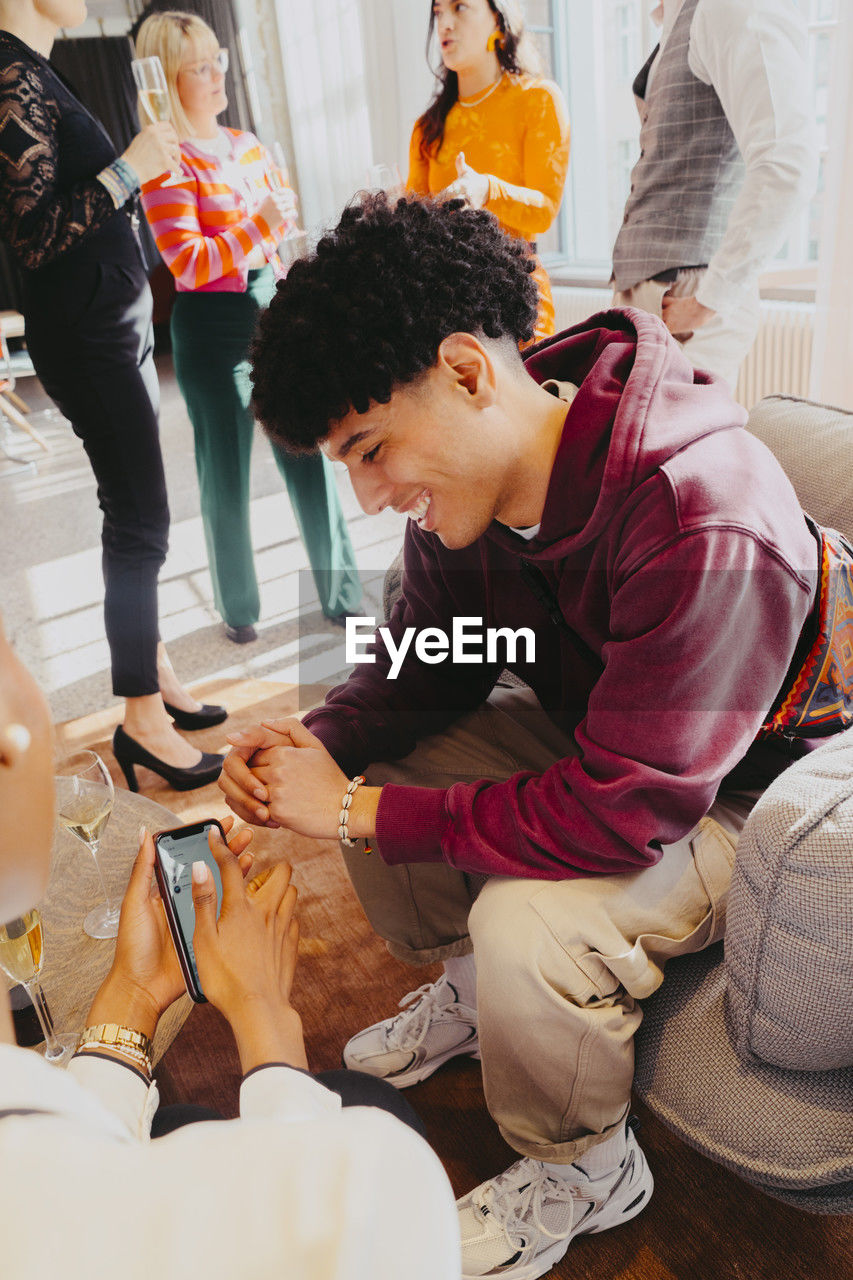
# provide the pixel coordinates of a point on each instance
(75, 965)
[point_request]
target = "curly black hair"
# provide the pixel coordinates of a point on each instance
(369, 309)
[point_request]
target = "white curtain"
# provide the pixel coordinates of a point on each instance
(832, 357)
(356, 79)
(399, 81)
(324, 68)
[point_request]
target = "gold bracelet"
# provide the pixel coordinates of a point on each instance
(110, 1035)
(131, 1055)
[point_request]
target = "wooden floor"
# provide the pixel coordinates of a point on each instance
(702, 1223)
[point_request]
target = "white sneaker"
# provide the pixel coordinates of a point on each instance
(404, 1050)
(518, 1225)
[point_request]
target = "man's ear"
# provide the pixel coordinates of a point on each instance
(469, 367)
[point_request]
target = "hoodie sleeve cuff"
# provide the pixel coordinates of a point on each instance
(343, 744)
(410, 822)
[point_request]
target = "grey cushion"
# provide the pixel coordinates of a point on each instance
(788, 1132)
(814, 443)
(789, 935)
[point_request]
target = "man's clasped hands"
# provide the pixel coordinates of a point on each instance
(280, 775)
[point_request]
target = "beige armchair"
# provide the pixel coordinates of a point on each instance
(746, 1052)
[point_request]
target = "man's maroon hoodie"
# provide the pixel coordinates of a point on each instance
(683, 572)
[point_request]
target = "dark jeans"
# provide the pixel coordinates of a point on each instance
(355, 1088)
(91, 343)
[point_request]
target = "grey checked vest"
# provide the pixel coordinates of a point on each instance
(689, 172)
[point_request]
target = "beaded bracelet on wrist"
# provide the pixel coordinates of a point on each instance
(343, 816)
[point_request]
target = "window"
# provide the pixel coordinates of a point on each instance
(593, 51)
(627, 154)
(626, 40)
(803, 245)
(538, 21)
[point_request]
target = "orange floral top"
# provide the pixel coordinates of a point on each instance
(519, 136)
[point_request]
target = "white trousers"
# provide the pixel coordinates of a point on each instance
(723, 343)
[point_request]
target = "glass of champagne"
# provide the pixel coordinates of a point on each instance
(84, 802)
(22, 957)
(385, 177)
(278, 176)
(150, 80)
(295, 242)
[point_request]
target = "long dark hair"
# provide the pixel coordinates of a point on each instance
(516, 54)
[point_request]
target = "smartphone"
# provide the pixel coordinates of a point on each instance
(176, 851)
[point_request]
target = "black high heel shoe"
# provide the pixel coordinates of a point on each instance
(205, 718)
(129, 753)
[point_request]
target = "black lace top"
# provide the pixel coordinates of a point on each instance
(51, 148)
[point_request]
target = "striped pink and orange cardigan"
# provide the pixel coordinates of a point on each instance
(205, 228)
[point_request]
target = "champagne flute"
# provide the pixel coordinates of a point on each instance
(84, 802)
(150, 80)
(385, 177)
(22, 957)
(278, 176)
(295, 242)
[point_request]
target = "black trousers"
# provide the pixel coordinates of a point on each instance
(355, 1088)
(91, 342)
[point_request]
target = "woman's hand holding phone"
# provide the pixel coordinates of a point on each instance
(247, 957)
(145, 977)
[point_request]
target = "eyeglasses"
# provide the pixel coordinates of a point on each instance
(205, 70)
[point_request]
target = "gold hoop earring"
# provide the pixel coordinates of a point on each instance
(494, 42)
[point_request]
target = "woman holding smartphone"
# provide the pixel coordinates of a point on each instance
(218, 230)
(495, 134)
(67, 205)
(297, 1186)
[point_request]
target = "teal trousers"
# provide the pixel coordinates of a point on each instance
(211, 333)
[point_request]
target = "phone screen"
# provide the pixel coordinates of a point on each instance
(178, 851)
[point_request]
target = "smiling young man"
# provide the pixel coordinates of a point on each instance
(553, 845)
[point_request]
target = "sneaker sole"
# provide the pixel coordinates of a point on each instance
(642, 1193)
(416, 1074)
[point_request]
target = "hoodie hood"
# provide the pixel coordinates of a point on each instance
(639, 402)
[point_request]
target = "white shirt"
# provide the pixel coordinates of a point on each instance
(298, 1188)
(753, 53)
(232, 172)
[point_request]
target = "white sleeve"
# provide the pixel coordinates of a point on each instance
(119, 1089)
(349, 1194)
(285, 1094)
(753, 54)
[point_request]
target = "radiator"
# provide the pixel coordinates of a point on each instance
(781, 356)
(780, 359)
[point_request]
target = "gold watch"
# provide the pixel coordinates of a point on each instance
(110, 1035)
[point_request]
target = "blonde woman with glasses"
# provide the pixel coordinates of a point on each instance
(218, 227)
